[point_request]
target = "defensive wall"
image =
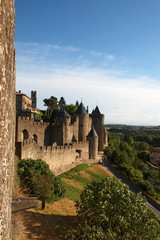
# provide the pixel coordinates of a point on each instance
(32, 128)
(46, 134)
(63, 144)
(7, 113)
(59, 158)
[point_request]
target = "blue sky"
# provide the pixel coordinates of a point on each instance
(105, 52)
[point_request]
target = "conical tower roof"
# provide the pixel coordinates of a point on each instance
(62, 113)
(81, 109)
(74, 139)
(93, 133)
(96, 111)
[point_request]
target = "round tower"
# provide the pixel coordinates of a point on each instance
(83, 122)
(64, 119)
(98, 122)
(93, 144)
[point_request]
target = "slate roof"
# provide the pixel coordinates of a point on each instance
(93, 133)
(74, 139)
(62, 113)
(96, 111)
(81, 109)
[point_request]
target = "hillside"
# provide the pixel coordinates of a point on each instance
(60, 216)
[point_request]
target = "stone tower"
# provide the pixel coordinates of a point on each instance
(34, 99)
(64, 119)
(93, 144)
(98, 122)
(7, 113)
(83, 122)
(105, 137)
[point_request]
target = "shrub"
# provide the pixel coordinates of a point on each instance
(114, 212)
(38, 180)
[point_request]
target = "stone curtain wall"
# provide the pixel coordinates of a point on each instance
(60, 159)
(7, 113)
(38, 128)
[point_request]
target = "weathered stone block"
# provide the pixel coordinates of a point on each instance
(7, 113)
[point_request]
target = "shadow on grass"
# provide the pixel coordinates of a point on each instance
(47, 227)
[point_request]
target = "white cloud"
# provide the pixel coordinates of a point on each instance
(122, 96)
(110, 57)
(95, 53)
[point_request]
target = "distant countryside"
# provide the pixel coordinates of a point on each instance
(135, 152)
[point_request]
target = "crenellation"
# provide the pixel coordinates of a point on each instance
(62, 144)
(70, 146)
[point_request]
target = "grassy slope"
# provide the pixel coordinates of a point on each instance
(58, 217)
(77, 178)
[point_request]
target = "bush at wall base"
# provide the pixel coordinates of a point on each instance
(37, 180)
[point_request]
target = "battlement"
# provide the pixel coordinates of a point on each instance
(27, 142)
(62, 144)
(41, 123)
(23, 119)
(74, 145)
(59, 158)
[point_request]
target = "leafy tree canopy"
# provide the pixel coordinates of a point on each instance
(62, 104)
(38, 180)
(54, 105)
(71, 109)
(51, 103)
(112, 211)
(131, 158)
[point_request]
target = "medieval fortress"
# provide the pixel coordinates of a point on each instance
(63, 144)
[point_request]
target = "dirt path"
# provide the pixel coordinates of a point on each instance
(48, 225)
(58, 217)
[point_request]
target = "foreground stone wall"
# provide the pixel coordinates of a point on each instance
(59, 158)
(7, 113)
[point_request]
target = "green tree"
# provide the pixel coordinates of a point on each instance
(43, 189)
(51, 104)
(144, 156)
(71, 109)
(77, 104)
(88, 232)
(38, 180)
(62, 104)
(142, 146)
(116, 213)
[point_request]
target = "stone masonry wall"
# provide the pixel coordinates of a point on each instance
(60, 158)
(98, 122)
(7, 113)
(38, 128)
